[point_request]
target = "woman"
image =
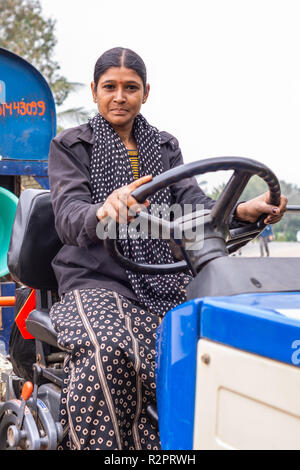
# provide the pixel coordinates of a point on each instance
(107, 317)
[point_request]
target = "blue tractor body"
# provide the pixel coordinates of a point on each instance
(27, 118)
(265, 325)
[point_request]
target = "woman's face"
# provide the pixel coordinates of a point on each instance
(119, 96)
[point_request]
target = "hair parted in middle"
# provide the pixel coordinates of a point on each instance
(120, 57)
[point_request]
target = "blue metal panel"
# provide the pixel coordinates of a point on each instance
(253, 323)
(25, 167)
(44, 182)
(7, 313)
(27, 116)
(176, 374)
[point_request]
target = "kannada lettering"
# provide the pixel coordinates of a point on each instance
(21, 108)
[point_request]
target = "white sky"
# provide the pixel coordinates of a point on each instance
(224, 74)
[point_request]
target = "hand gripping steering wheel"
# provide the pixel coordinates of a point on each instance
(219, 240)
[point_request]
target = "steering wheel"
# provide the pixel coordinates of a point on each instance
(219, 239)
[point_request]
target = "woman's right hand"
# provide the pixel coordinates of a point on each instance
(120, 201)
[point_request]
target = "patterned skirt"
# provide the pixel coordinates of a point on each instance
(109, 371)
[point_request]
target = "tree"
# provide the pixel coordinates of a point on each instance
(287, 228)
(26, 32)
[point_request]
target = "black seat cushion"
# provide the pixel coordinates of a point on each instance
(34, 241)
(38, 324)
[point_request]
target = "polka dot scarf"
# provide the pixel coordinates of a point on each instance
(110, 170)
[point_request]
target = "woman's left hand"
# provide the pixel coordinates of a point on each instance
(251, 210)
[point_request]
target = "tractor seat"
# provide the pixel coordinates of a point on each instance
(39, 325)
(33, 245)
(34, 241)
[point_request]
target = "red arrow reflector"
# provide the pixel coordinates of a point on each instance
(27, 308)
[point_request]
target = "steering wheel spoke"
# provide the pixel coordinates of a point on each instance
(230, 196)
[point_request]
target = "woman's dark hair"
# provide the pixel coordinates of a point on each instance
(120, 57)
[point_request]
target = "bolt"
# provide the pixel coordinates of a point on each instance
(13, 436)
(205, 358)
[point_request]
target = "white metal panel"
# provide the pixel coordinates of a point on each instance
(244, 401)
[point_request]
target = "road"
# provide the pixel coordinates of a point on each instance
(277, 249)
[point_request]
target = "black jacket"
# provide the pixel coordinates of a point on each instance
(83, 261)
